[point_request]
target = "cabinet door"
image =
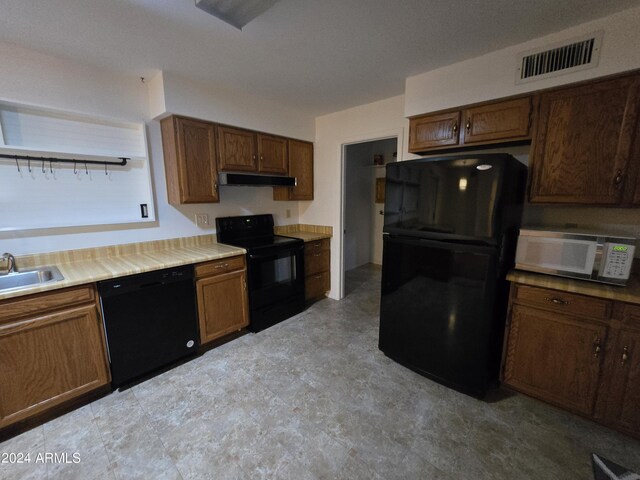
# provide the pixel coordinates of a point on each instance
(236, 150)
(48, 360)
(432, 131)
(582, 146)
(222, 305)
(190, 160)
(554, 357)
(504, 121)
(624, 391)
(272, 154)
(301, 167)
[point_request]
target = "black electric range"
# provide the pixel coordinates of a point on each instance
(275, 268)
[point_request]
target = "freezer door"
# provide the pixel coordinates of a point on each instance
(442, 311)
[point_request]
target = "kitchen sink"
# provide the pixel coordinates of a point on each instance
(26, 278)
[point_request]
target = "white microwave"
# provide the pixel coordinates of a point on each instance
(588, 256)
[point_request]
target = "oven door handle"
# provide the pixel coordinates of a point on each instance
(281, 254)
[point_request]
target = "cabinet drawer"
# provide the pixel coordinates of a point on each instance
(564, 302)
(220, 266)
(631, 315)
(317, 285)
(316, 246)
(316, 262)
(23, 306)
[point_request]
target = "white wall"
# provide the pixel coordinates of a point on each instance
(493, 75)
(359, 175)
(47, 81)
(373, 121)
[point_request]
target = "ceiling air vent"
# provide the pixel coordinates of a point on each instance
(563, 58)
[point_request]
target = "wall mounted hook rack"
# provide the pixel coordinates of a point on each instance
(121, 163)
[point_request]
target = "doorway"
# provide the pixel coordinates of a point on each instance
(363, 167)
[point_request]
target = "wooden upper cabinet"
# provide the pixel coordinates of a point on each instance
(432, 131)
(190, 160)
(509, 120)
(582, 149)
(236, 150)
(301, 167)
(554, 357)
(272, 154)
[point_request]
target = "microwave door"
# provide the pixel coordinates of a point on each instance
(560, 256)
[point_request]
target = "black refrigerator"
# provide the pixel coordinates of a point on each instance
(450, 229)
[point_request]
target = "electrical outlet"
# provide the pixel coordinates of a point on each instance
(288, 213)
(202, 220)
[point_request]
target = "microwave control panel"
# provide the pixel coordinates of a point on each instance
(617, 261)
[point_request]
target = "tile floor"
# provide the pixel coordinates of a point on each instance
(313, 398)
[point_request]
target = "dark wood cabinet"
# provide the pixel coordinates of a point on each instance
(272, 154)
(555, 357)
(432, 131)
(52, 350)
(487, 123)
(317, 263)
(191, 172)
(236, 150)
(582, 149)
(575, 351)
(509, 120)
(300, 167)
(223, 305)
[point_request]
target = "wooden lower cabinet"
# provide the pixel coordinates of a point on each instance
(317, 261)
(49, 357)
(223, 304)
(586, 361)
(555, 357)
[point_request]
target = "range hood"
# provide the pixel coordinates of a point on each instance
(250, 180)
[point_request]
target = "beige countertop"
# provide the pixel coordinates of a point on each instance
(90, 265)
(628, 294)
(308, 236)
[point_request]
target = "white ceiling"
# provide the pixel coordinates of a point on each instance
(315, 55)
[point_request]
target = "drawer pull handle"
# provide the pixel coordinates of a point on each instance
(557, 301)
(455, 127)
(625, 355)
(596, 348)
(468, 125)
(317, 244)
(317, 276)
(222, 265)
(317, 254)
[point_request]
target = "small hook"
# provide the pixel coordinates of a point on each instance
(75, 168)
(29, 164)
(17, 164)
(51, 166)
(86, 170)
(43, 166)
(105, 169)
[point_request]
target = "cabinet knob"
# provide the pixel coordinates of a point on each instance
(596, 348)
(261, 157)
(215, 186)
(618, 180)
(455, 127)
(625, 355)
(468, 125)
(253, 156)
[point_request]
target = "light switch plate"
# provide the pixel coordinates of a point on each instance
(202, 220)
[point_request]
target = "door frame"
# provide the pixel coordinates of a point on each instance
(398, 134)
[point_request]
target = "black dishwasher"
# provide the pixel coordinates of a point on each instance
(150, 320)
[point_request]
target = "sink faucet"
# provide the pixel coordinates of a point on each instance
(11, 262)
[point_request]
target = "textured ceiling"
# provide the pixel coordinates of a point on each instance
(318, 56)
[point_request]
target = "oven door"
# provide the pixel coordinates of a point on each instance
(275, 274)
